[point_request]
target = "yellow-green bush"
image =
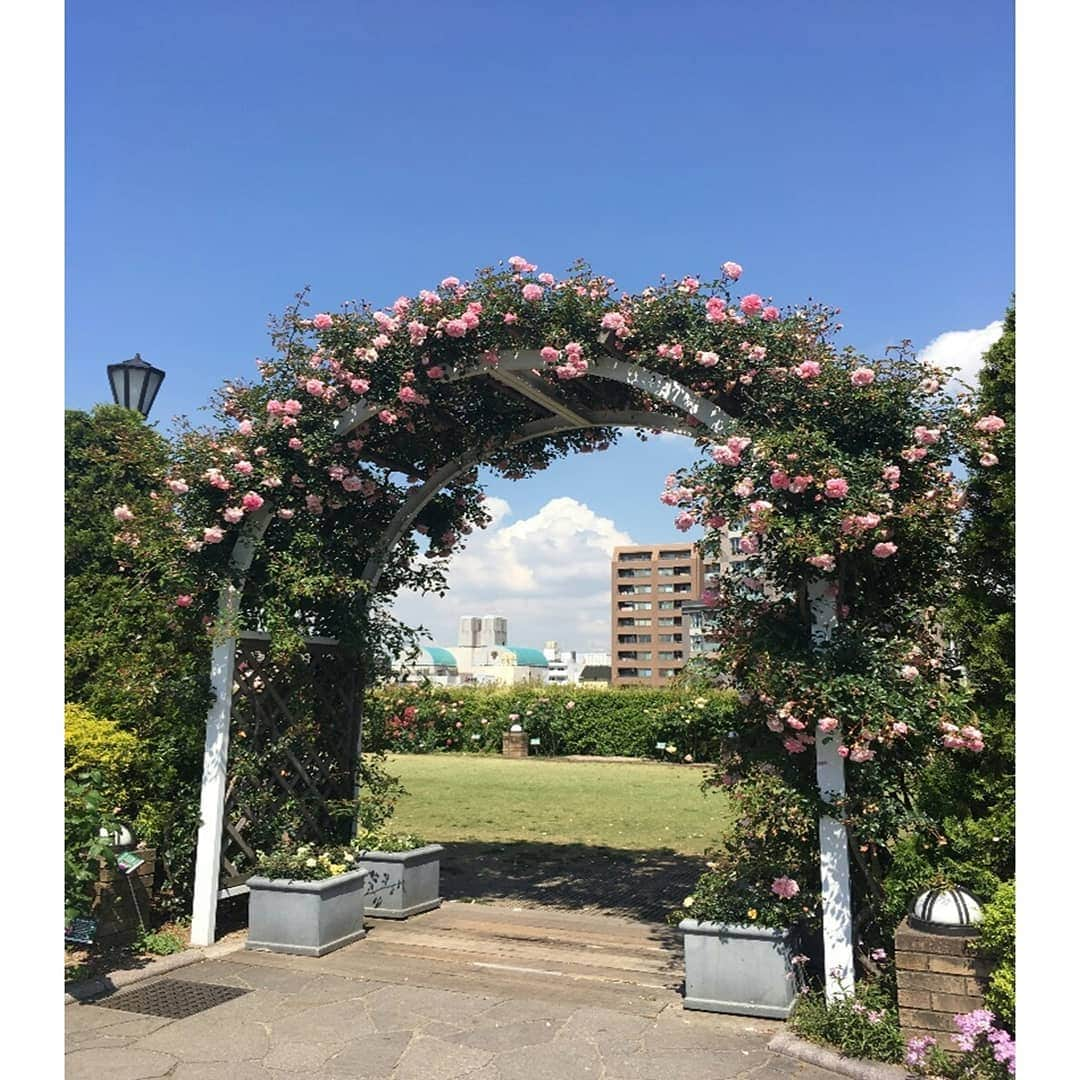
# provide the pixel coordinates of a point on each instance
(94, 743)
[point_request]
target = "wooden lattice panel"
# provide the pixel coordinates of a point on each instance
(293, 750)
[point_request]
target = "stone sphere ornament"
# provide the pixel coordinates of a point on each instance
(945, 911)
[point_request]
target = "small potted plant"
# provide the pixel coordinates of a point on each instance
(305, 900)
(403, 873)
(740, 946)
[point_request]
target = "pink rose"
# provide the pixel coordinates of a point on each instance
(900, 728)
(708, 359)
(177, 487)
(244, 427)
(435, 372)
(925, 436)
(891, 473)
(909, 673)
(744, 488)
(322, 321)
(509, 318)
(785, 888)
(213, 535)
(827, 724)
(417, 332)
(823, 562)
(988, 460)
(387, 417)
(449, 283)
(123, 513)
(800, 483)
(286, 515)
(863, 376)
(751, 305)
(292, 407)
(532, 292)
(183, 600)
(274, 407)
(245, 468)
(517, 263)
(843, 751)
(684, 521)
(549, 355)
(836, 488)
(352, 483)
(990, 424)
(808, 369)
(613, 320)
(779, 480)
(232, 514)
(251, 501)
(913, 454)
(748, 545)
(724, 455)
(793, 745)
(313, 503)
(733, 270)
(929, 386)
(315, 387)
(884, 550)
(456, 328)
(859, 754)
(714, 310)
(546, 279)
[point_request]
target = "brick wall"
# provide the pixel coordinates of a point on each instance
(114, 907)
(936, 978)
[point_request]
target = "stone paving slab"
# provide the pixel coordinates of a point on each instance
(363, 1012)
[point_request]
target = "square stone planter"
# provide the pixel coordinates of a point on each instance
(745, 970)
(307, 918)
(401, 883)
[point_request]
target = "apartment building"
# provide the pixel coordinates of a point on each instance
(651, 637)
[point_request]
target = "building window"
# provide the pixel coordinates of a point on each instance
(669, 588)
(681, 588)
(635, 556)
(644, 672)
(670, 637)
(635, 639)
(669, 620)
(668, 672)
(667, 605)
(634, 573)
(677, 655)
(628, 673)
(735, 550)
(683, 554)
(627, 622)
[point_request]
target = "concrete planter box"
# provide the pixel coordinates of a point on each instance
(745, 970)
(401, 883)
(307, 918)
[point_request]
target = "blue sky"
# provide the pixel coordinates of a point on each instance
(221, 156)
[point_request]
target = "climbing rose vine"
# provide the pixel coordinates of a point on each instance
(834, 468)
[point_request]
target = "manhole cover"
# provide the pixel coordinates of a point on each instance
(173, 998)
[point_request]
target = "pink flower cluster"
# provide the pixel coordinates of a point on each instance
(731, 452)
(785, 888)
(961, 738)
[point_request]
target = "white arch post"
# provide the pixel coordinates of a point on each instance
(832, 834)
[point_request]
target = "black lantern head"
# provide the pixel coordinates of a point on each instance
(135, 384)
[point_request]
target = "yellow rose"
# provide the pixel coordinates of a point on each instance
(752, 913)
(688, 902)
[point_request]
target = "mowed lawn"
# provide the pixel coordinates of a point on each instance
(629, 805)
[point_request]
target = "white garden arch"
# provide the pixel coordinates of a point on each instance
(519, 371)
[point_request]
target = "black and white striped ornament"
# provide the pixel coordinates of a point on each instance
(945, 911)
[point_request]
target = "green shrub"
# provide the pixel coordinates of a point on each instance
(626, 721)
(86, 813)
(91, 742)
(159, 943)
(860, 1025)
(997, 942)
(773, 836)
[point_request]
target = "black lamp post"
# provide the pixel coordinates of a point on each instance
(135, 384)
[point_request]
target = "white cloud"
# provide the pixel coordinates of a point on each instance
(549, 575)
(963, 349)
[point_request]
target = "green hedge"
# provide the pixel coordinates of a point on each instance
(626, 721)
